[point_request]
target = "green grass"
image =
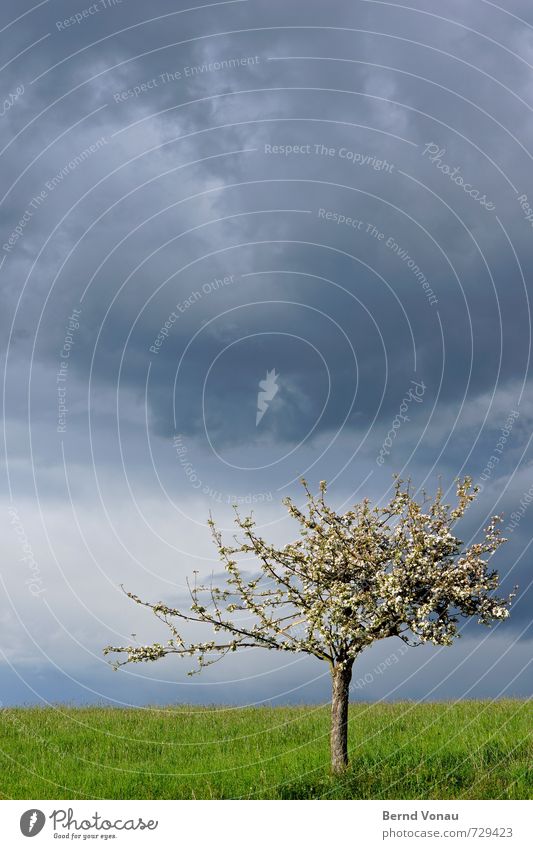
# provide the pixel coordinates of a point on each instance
(468, 750)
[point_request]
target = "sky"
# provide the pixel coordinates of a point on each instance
(242, 242)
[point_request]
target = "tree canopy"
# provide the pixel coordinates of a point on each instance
(350, 579)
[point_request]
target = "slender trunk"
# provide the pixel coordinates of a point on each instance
(341, 677)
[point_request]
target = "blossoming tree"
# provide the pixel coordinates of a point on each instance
(350, 579)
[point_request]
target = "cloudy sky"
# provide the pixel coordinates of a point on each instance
(332, 197)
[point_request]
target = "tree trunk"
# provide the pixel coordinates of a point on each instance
(341, 677)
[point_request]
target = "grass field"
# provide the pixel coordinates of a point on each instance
(468, 750)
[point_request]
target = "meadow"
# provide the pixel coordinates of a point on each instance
(464, 750)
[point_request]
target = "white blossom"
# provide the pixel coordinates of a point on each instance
(349, 580)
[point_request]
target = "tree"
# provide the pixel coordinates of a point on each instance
(349, 580)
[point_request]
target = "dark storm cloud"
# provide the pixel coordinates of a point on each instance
(486, 290)
(131, 207)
